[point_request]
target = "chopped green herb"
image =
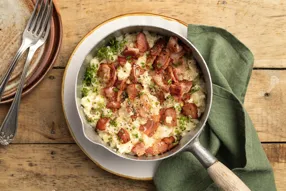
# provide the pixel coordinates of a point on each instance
(90, 120)
(110, 139)
(170, 97)
(113, 48)
(183, 121)
(89, 75)
(170, 81)
(128, 58)
(135, 135)
(84, 91)
(88, 100)
(115, 89)
(178, 108)
(159, 65)
(143, 64)
(113, 123)
(194, 89)
(140, 139)
(140, 94)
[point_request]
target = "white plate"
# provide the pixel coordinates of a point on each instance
(102, 157)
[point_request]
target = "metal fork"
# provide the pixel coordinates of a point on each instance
(32, 33)
(9, 126)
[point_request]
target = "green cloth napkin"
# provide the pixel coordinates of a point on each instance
(229, 133)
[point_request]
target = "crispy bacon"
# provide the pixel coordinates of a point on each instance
(190, 109)
(160, 95)
(107, 73)
(159, 80)
(123, 135)
(133, 90)
(186, 97)
(168, 112)
(180, 68)
(101, 123)
(177, 57)
(180, 88)
(170, 75)
(169, 140)
(121, 60)
(158, 147)
(110, 93)
(134, 52)
(162, 61)
(136, 71)
(113, 105)
(173, 45)
(139, 149)
(150, 127)
(142, 43)
(158, 47)
(150, 59)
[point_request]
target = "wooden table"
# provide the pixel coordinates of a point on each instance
(44, 155)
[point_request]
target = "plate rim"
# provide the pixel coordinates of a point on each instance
(65, 72)
(52, 59)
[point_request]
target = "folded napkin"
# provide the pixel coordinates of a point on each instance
(229, 133)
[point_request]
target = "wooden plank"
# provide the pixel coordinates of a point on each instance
(266, 102)
(48, 167)
(41, 119)
(261, 25)
(64, 166)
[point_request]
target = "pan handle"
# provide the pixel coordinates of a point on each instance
(221, 175)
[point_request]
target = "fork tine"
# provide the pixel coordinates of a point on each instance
(47, 17)
(40, 12)
(40, 19)
(33, 16)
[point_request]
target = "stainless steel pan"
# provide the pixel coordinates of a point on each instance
(221, 175)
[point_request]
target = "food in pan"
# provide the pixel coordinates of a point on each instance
(142, 92)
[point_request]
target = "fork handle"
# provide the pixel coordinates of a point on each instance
(9, 126)
(24, 46)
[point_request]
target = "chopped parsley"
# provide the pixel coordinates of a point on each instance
(178, 108)
(88, 76)
(170, 81)
(159, 65)
(183, 122)
(140, 139)
(115, 89)
(84, 91)
(143, 64)
(135, 135)
(113, 48)
(140, 94)
(113, 123)
(194, 89)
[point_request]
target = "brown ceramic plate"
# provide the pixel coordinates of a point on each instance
(12, 24)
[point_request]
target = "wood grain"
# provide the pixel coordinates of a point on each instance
(41, 119)
(261, 25)
(48, 167)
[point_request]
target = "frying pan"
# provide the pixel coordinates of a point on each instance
(221, 175)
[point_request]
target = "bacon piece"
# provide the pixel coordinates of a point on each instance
(110, 93)
(101, 123)
(122, 60)
(107, 73)
(158, 147)
(180, 88)
(162, 61)
(142, 43)
(169, 140)
(166, 113)
(186, 97)
(150, 59)
(177, 57)
(173, 45)
(113, 105)
(139, 149)
(160, 95)
(134, 52)
(159, 80)
(104, 72)
(190, 109)
(158, 47)
(133, 90)
(123, 135)
(180, 68)
(170, 75)
(136, 71)
(150, 127)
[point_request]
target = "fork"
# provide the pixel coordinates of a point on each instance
(32, 33)
(9, 126)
